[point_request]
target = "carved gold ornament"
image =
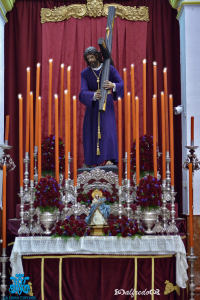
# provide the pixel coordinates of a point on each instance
(169, 287)
(94, 8)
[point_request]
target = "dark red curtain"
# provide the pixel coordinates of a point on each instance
(25, 46)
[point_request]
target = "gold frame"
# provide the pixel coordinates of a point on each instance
(93, 8)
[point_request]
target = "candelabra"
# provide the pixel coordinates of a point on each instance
(37, 228)
(65, 209)
(168, 179)
(128, 201)
(31, 209)
(27, 196)
(3, 260)
(164, 208)
(192, 258)
(6, 160)
(172, 227)
(120, 201)
(191, 158)
(23, 230)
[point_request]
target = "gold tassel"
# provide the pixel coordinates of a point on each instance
(99, 135)
(98, 150)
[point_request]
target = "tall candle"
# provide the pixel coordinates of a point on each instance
(31, 138)
(36, 102)
(137, 141)
(66, 133)
(155, 78)
(69, 95)
(128, 136)
(166, 109)
(144, 98)
(50, 94)
(154, 135)
(61, 100)
(4, 208)
(7, 128)
(20, 140)
(192, 129)
(39, 140)
(125, 106)
(163, 137)
(27, 110)
(56, 140)
(133, 99)
(191, 204)
(171, 137)
(75, 140)
(120, 141)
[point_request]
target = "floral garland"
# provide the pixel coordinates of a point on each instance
(70, 228)
(86, 199)
(145, 153)
(149, 193)
(124, 228)
(48, 154)
(47, 194)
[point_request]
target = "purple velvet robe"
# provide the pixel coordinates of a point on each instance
(108, 142)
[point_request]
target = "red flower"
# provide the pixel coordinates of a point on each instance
(106, 230)
(124, 233)
(88, 232)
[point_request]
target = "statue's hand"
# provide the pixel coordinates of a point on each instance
(97, 95)
(108, 85)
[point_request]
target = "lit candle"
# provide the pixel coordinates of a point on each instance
(163, 136)
(56, 140)
(144, 98)
(69, 95)
(128, 136)
(7, 128)
(155, 78)
(20, 140)
(137, 141)
(171, 137)
(120, 141)
(39, 140)
(50, 93)
(154, 135)
(61, 100)
(133, 99)
(192, 131)
(75, 140)
(125, 106)
(191, 204)
(4, 208)
(27, 110)
(66, 133)
(36, 102)
(166, 109)
(31, 138)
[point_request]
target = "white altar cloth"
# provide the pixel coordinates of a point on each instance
(146, 245)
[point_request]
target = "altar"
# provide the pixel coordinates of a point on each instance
(150, 267)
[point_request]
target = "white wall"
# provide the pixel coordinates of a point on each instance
(189, 21)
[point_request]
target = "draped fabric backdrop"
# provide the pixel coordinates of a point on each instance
(28, 42)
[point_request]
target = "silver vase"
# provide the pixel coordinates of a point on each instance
(48, 219)
(149, 218)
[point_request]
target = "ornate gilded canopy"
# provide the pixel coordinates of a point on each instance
(94, 8)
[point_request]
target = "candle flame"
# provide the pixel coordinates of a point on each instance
(155, 63)
(65, 91)
(128, 93)
(132, 65)
(39, 98)
(165, 70)
(38, 65)
(119, 98)
(20, 96)
(56, 96)
(144, 61)
(136, 98)
(69, 68)
(31, 93)
(74, 97)
(50, 60)
(62, 65)
(162, 93)
(154, 96)
(124, 69)
(28, 69)
(170, 96)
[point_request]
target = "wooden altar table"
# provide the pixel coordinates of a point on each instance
(98, 268)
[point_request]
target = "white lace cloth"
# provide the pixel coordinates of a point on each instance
(147, 245)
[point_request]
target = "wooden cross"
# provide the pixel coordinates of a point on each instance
(106, 48)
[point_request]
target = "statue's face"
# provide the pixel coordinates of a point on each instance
(93, 61)
(97, 197)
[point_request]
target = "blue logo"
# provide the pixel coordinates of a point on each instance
(19, 285)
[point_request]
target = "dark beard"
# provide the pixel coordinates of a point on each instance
(93, 64)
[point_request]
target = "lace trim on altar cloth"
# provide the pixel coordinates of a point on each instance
(146, 245)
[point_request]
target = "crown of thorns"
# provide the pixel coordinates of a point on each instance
(92, 51)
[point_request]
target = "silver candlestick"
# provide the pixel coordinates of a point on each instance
(125, 161)
(164, 208)
(69, 161)
(172, 227)
(23, 230)
(192, 258)
(6, 160)
(27, 196)
(168, 179)
(65, 209)
(128, 201)
(31, 209)
(3, 260)
(37, 228)
(75, 204)
(120, 201)
(35, 167)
